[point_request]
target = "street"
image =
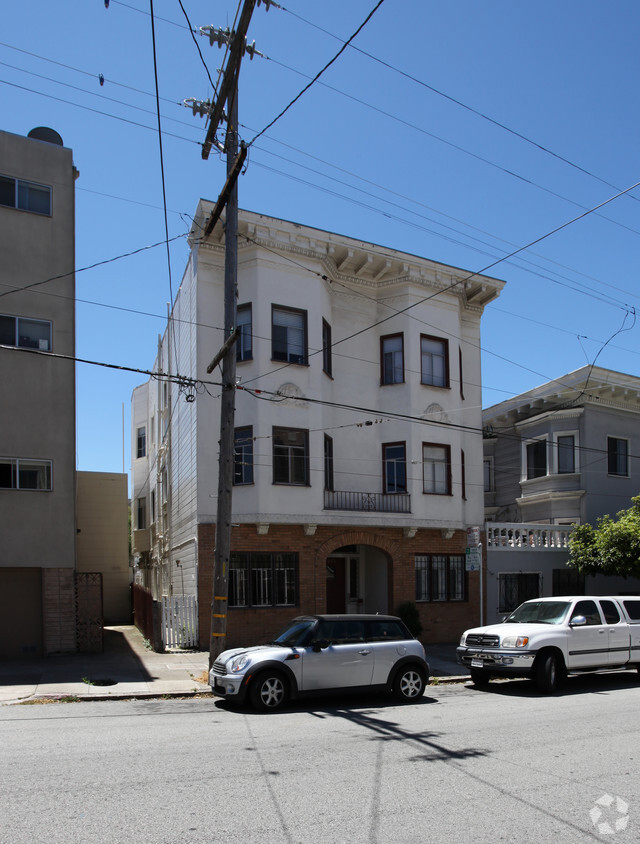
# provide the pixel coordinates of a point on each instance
(460, 766)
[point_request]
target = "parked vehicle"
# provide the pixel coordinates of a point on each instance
(324, 653)
(548, 638)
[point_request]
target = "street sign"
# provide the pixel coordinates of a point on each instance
(473, 559)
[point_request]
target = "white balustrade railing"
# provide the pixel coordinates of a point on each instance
(530, 537)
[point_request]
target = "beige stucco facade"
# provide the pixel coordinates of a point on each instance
(103, 541)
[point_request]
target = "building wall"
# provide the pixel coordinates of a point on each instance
(442, 621)
(103, 541)
(37, 418)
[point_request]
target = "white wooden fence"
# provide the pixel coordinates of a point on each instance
(180, 621)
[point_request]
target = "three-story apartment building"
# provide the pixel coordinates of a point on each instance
(358, 431)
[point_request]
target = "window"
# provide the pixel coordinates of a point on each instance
(326, 347)
(288, 335)
(244, 348)
(487, 467)
(618, 452)
(394, 467)
(436, 469)
(26, 196)
(463, 469)
(440, 577)
(243, 455)
(392, 359)
(589, 609)
(328, 462)
(516, 587)
(141, 442)
(610, 612)
(153, 505)
(536, 459)
(567, 581)
(290, 456)
(263, 580)
(461, 374)
(434, 361)
(566, 454)
(26, 333)
(19, 473)
(142, 514)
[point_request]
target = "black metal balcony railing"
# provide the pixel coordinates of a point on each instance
(367, 502)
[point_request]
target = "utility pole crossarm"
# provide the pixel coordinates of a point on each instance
(230, 75)
(232, 178)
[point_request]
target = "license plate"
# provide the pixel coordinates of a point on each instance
(477, 663)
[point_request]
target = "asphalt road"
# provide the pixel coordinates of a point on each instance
(460, 766)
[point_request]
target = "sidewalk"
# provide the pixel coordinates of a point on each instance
(126, 668)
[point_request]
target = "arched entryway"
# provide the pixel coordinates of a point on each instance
(357, 575)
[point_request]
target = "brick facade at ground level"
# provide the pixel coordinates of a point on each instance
(442, 621)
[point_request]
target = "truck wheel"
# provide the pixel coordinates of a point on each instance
(548, 672)
(480, 677)
(410, 683)
(268, 691)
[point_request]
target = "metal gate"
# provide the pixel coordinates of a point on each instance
(89, 619)
(180, 621)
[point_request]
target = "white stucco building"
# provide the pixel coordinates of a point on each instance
(358, 430)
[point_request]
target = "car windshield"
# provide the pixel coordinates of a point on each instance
(296, 634)
(539, 612)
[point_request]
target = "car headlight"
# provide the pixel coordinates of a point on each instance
(240, 663)
(463, 639)
(515, 641)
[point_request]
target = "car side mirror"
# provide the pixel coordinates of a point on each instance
(320, 645)
(578, 621)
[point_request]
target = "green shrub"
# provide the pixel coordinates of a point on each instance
(408, 612)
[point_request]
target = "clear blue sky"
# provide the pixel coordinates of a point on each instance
(398, 144)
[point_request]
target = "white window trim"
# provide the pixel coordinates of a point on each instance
(576, 451)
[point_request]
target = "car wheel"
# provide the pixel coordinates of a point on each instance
(269, 691)
(480, 677)
(410, 683)
(548, 672)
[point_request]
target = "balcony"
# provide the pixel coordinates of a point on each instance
(367, 502)
(141, 541)
(530, 537)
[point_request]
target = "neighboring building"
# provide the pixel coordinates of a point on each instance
(562, 454)
(37, 412)
(358, 456)
(103, 540)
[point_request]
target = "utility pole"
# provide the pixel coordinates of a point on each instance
(228, 95)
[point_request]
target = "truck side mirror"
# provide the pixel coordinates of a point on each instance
(578, 621)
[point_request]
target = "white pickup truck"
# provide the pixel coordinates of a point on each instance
(547, 638)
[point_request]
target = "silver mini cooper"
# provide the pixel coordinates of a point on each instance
(314, 654)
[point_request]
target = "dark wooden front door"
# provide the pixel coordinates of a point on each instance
(336, 585)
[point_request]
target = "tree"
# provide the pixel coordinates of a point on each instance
(613, 547)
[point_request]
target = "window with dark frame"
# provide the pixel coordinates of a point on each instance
(440, 577)
(25, 196)
(22, 473)
(617, 456)
(288, 334)
(536, 459)
(263, 579)
(290, 456)
(394, 468)
(327, 361)
(328, 462)
(141, 442)
(244, 324)
(436, 469)
(566, 446)
(487, 466)
(463, 473)
(142, 514)
(516, 587)
(243, 455)
(434, 361)
(392, 359)
(461, 373)
(25, 333)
